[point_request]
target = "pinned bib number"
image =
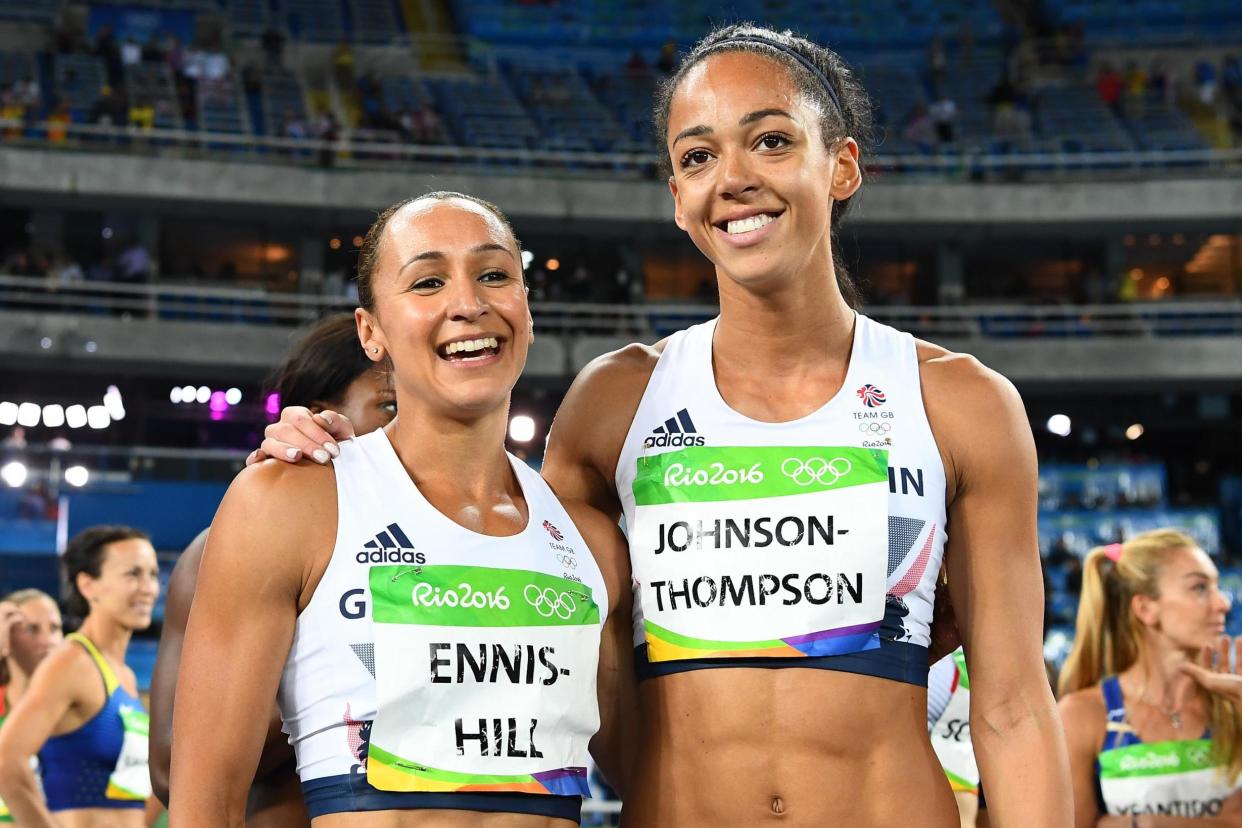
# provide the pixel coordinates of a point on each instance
(131, 778)
(485, 680)
(761, 551)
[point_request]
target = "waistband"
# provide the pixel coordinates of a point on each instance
(892, 660)
(352, 792)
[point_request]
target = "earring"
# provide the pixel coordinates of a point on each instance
(375, 350)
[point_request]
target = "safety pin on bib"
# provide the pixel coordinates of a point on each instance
(416, 570)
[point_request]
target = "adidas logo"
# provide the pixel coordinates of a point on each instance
(677, 430)
(390, 546)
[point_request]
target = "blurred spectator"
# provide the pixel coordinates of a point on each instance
(327, 129)
(428, 127)
(131, 52)
(153, 50)
(27, 92)
(1136, 89)
(106, 48)
(1108, 85)
(142, 115)
(109, 109)
(58, 123)
(66, 271)
(668, 58)
(26, 263)
(944, 116)
(919, 128)
(292, 126)
(134, 263)
(636, 65)
(1205, 81)
(100, 271)
(343, 67)
(12, 110)
(273, 42)
(16, 438)
(36, 503)
(174, 57)
(1231, 81)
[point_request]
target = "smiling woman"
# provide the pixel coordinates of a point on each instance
(436, 658)
(90, 736)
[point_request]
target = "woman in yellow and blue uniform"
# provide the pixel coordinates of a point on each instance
(81, 713)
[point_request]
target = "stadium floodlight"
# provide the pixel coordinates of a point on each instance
(77, 476)
(13, 473)
(113, 402)
(1060, 425)
(29, 414)
(521, 429)
(8, 413)
(233, 396)
(187, 393)
(174, 396)
(75, 416)
(527, 258)
(53, 416)
(203, 394)
(45, 343)
(97, 417)
(1135, 431)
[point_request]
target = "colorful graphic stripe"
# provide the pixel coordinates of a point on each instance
(711, 474)
(390, 772)
(115, 791)
(665, 645)
(960, 785)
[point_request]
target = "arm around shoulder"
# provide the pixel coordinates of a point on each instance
(590, 426)
(276, 525)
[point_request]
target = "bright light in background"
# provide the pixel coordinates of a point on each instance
(527, 258)
(272, 405)
(97, 417)
(112, 401)
(13, 473)
(1135, 431)
(1060, 425)
(45, 342)
(216, 415)
(203, 394)
(8, 413)
(174, 396)
(232, 396)
(521, 429)
(187, 393)
(75, 416)
(553, 264)
(77, 476)
(28, 415)
(218, 402)
(53, 416)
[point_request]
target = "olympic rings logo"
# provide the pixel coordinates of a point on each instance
(875, 428)
(815, 470)
(548, 602)
(567, 561)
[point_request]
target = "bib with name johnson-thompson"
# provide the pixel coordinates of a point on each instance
(776, 551)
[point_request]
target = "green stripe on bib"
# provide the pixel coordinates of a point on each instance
(478, 596)
(1157, 759)
(705, 474)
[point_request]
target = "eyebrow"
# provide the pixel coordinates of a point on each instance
(436, 254)
(746, 120)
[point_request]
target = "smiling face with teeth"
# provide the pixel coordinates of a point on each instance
(753, 181)
(128, 584)
(450, 307)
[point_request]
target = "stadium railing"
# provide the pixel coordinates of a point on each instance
(356, 154)
(178, 302)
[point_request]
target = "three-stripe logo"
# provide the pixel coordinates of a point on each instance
(676, 431)
(390, 546)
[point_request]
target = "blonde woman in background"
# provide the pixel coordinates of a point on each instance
(1149, 745)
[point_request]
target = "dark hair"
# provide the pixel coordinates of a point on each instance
(846, 107)
(369, 253)
(322, 365)
(85, 553)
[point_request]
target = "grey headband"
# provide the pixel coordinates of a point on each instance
(781, 47)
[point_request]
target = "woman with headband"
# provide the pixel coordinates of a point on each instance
(787, 473)
(1149, 745)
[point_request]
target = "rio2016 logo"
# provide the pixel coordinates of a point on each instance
(715, 474)
(463, 595)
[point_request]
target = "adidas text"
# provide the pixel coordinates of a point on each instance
(380, 556)
(673, 440)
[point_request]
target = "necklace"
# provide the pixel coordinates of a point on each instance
(1174, 714)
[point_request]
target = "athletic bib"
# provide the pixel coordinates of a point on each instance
(950, 736)
(479, 679)
(131, 778)
(770, 551)
(1177, 778)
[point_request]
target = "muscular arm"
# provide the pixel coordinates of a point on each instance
(590, 426)
(614, 746)
(996, 589)
(167, 661)
(1083, 716)
(54, 689)
(269, 543)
